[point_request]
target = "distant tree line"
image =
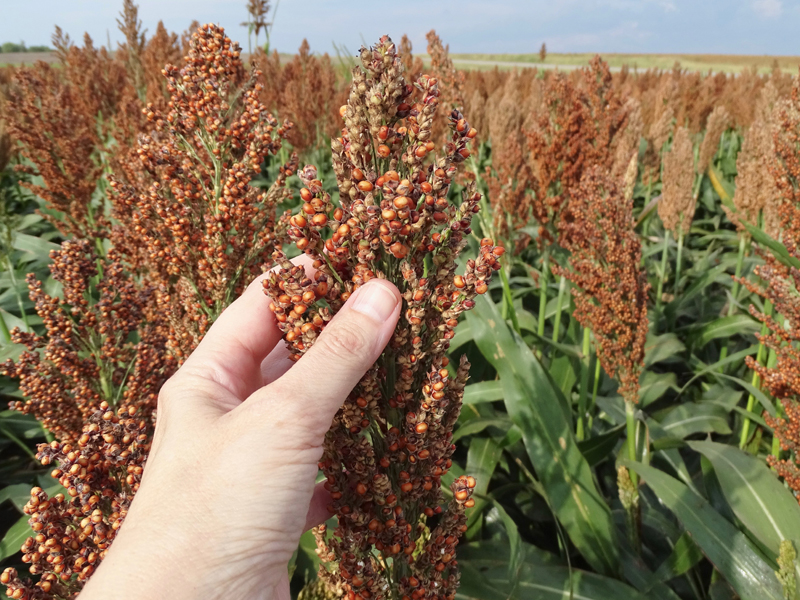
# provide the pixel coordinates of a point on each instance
(9, 47)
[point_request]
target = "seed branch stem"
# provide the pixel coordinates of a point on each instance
(662, 274)
(678, 262)
(562, 287)
(630, 420)
(756, 381)
(734, 293)
(583, 399)
(509, 312)
(543, 283)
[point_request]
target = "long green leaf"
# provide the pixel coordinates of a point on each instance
(684, 556)
(691, 418)
(15, 537)
(484, 576)
(725, 546)
(483, 391)
(532, 403)
(778, 250)
(759, 500)
(726, 327)
(482, 458)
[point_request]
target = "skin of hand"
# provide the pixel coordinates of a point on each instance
(229, 484)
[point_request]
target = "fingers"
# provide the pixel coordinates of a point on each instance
(314, 388)
(276, 364)
(232, 351)
(318, 511)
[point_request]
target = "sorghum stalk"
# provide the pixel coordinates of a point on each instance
(734, 292)
(583, 398)
(562, 288)
(663, 272)
(389, 445)
(751, 399)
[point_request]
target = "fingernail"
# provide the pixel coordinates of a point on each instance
(376, 300)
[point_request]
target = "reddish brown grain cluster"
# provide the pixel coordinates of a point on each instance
(73, 379)
(193, 232)
(783, 379)
(192, 222)
(451, 81)
(58, 135)
(678, 202)
(577, 129)
(610, 283)
(85, 356)
(389, 446)
(306, 90)
(786, 169)
(757, 199)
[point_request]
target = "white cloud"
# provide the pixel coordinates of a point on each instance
(638, 6)
(590, 42)
(768, 8)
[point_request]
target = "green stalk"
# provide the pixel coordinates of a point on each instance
(4, 329)
(590, 418)
(678, 262)
(4, 430)
(509, 312)
(20, 303)
(583, 399)
(630, 420)
(756, 381)
(663, 272)
(734, 292)
(772, 360)
(562, 287)
(543, 283)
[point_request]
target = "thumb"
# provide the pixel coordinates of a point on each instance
(317, 385)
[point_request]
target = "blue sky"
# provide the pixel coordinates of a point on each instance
(659, 26)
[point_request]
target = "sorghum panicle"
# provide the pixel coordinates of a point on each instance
(783, 380)
(191, 222)
(678, 202)
(578, 128)
(611, 286)
(756, 192)
(92, 380)
(390, 443)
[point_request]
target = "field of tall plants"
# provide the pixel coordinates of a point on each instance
(592, 392)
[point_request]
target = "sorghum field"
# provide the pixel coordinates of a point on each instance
(593, 389)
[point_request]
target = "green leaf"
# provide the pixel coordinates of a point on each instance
(654, 385)
(483, 391)
(479, 424)
(750, 388)
(599, 447)
(15, 537)
(760, 501)
(484, 576)
(482, 458)
(726, 547)
(690, 418)
(778, 250)
(514, 541)
(684, 556)
(18, 493)
(726, 327)
(540, 583)
(661, 347)
(37, 246)
(462, 336)
(530, 399)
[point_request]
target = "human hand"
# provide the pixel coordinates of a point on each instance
(229, 484)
